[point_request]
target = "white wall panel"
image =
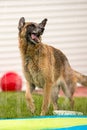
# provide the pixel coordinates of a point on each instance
(66, 30)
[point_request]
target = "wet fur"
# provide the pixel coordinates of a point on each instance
(48, 68)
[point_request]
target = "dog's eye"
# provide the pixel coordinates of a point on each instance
(31, 27)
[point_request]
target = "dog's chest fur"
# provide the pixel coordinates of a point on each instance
(33, 72)
(33, 61)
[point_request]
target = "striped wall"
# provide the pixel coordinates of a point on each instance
(66, 30)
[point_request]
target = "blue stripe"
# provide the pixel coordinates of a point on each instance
(82, 127)
(39, 117)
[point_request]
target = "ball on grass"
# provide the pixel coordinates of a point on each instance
(11, 81)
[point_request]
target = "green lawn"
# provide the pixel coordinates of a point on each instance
(13, 105)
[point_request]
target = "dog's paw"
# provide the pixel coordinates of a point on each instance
(42, 113)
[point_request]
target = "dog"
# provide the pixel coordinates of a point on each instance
(45, 66)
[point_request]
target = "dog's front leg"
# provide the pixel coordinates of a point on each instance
(29, 99)
(46, 99)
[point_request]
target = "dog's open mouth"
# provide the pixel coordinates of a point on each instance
(35, 38)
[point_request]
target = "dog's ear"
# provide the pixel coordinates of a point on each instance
(43, 23)
(21, 23)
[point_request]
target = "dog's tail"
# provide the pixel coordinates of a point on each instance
(80, 78)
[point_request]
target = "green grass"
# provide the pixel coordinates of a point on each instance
(13, 105)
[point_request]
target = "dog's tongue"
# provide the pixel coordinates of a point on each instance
(34, 37)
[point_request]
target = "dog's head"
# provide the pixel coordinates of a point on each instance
(32, 31)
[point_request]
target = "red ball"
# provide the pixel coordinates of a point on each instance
(11, 82)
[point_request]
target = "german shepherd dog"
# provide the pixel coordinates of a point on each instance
(45, 66)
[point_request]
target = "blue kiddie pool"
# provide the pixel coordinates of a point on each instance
(45, 123)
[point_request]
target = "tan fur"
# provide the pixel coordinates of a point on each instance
(47, 68)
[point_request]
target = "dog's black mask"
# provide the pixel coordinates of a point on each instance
(33, 30)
